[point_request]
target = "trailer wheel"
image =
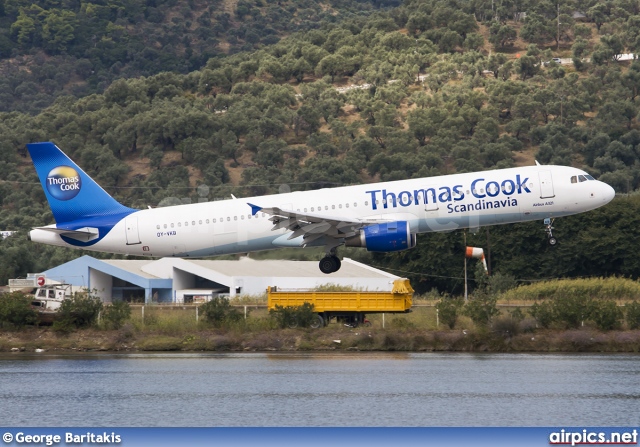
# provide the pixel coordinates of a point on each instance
(292, 323)
(317, 321)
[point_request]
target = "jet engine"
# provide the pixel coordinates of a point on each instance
(384, 237)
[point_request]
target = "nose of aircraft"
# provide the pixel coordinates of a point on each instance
(608, 193)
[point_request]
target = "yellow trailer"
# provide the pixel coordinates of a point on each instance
(349, 307)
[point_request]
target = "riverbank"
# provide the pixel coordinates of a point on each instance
(332, 338)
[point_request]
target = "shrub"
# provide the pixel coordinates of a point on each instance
(15, 310)
(507, 326)
(543, 313)
(402, 323)
(607, 288)
(449, 311)
(606, 315)
(218, 312)
(481, 309)
(572, 310)
(517, 314)
(633, 315)
(116, 314)
(78, 311)
(293, 316)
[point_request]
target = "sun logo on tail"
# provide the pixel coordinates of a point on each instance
(63, 183)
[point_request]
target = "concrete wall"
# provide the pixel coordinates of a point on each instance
(102, 283)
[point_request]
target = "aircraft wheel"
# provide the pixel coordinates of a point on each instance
(329, 264)
(553, 241)
(338, 263)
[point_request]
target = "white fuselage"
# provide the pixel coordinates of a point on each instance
(452, 202)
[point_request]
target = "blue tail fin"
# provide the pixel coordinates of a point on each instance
(71, 193)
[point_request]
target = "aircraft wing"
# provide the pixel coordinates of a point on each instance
(312, 226)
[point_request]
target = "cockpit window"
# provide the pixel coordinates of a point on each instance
(574, 179)
(582, 178)
(589, 177)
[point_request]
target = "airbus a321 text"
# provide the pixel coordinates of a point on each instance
(382, 217)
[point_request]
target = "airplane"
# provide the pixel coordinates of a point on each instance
(381, 217)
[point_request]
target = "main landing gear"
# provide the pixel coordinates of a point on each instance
(330, 263)
(548, 222)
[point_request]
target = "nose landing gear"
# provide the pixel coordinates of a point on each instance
(548, 222)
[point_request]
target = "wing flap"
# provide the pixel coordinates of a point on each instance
(311, 226)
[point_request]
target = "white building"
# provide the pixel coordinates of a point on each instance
(180, 280)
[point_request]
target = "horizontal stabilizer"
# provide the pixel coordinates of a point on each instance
(84, 234)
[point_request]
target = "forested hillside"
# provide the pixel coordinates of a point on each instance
(449, 86)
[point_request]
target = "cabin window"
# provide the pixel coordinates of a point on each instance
(355, 204)
(171, 225)
(214, 221)
(347, 205)
(228, 219)
(235, 217)
(186, 224)
(366, 203)
(242, 217)
(207, 221)
(326, 208)
(165, 225)
(312, 209)
(179, 224)
(305, 210)
(157, 227)
(340, 205)
(194, 222)
(333, 207)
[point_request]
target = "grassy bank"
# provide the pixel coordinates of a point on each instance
(176, 329)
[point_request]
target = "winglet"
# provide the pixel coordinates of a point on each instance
(255, 209)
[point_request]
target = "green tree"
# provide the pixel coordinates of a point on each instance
(607, 315)
(633, 315)
(502, 36)
(481, 309)
(78, 311)
(218, 312)
(16, 311)
(449, 311)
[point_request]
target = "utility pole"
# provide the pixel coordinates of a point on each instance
(558, 26)
(466, 293)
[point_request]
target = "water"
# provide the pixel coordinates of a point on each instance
(380, 389)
